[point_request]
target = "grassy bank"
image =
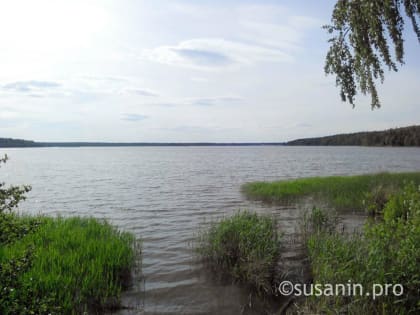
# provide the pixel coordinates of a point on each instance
(244, 246)
(62, 266)
(340, 192)
(387, 252)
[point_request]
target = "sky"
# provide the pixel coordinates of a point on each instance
(182, 71)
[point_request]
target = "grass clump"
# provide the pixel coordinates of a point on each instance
(57, 265)
(62, 266)
(319, 221)
(246, 246)
(340, 192)
(386, 252)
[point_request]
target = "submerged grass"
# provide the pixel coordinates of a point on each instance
(62, 265)
(340, 192)
(245, 246)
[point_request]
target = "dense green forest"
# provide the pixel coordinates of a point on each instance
(17, 143)
(406, 136)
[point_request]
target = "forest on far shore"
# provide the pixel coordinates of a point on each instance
(405, 136)
(17, 143)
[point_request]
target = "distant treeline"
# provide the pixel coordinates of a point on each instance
(18, 143)
(406, 136)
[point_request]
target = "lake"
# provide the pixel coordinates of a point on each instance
(165, 194)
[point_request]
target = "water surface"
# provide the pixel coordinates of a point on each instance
(164, 194)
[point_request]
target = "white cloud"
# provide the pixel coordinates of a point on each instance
(257, 33)
(214, 53)
(31, 88)
(8, 114)
(133, 117)
(215, 100)
(140, 92)
(123, 61)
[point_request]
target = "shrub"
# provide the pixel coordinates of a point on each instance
(14, 227)
(246, 246)
(11, 196)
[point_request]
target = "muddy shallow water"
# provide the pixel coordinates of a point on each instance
(165, 194)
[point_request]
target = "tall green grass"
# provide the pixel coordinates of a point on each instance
(387, 252)
(245, 246)
(64, 266)
(340, 192)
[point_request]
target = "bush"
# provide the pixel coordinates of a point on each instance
(11, 196)
(246, 246)
(14, 227)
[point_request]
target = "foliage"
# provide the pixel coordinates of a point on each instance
(387, 252)
(406, 136)
(23, 298)
(362, 30)
(13, 227)
(246, 246)
(17, 143)
(341, 192)
(11, 196)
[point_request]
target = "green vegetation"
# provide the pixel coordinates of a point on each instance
(246, 246)
(340, 192)
(16, 143)
(406, 136)
(11, 196)
(71, 265)
(367, 35)
(58, 265)
(387, 252)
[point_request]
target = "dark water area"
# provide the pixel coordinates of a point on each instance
(164, 195)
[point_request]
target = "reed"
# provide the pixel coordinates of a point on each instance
(341, 192)
(245, 246)
(386, 252)
(63, 265)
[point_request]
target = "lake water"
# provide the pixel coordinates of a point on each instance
(164, 195)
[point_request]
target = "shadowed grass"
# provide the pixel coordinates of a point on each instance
(340, 192)
(64, 266)
(246, 246)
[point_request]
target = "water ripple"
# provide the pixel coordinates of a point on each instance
(165, 195)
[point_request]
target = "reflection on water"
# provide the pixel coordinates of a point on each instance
(164, 195)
